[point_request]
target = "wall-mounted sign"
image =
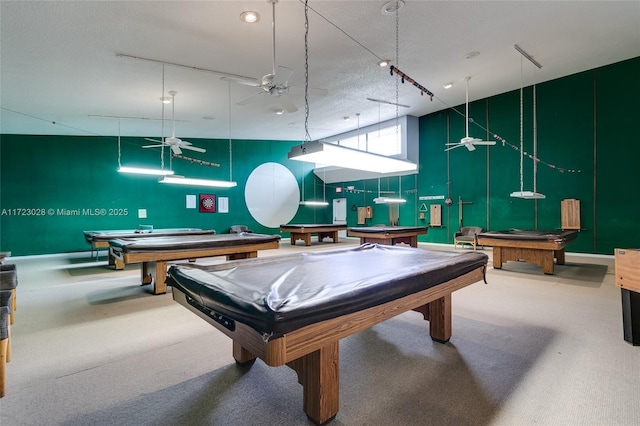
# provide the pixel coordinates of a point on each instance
(431, 197)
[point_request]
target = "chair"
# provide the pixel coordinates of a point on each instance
(5, 335)
(9, 281)
(237, 229)
(467, 235)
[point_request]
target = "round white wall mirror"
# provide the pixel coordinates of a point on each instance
(272, 195)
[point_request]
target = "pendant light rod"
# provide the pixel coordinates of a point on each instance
(526, 55)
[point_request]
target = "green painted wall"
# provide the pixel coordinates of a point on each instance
(55, 187)
(587, 150)
(585, 122)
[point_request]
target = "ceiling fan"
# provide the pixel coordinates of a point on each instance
(176, 144)
(276, 83)
(468, 141)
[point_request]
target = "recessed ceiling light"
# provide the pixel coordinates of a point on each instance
(346, 118)
(279, 111)
(471, 55)
(165, 100)
(391, 7)
(447, 85)
(383, 62)
(250, 17)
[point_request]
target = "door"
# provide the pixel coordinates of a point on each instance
(340, 214)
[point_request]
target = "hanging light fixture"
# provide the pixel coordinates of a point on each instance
(181, 180)
(146, 170)
(388, 200)
(328, 154)
(528, 195)
(392, 200)
(138, 170)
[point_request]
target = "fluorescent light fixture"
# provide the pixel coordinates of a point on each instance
(389, 200)
(181, 180)
(528, 195)
(314, 203)
(339, 156)
(144, 171)
(447, 85)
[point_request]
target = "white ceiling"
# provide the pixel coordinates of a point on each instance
(60, 63)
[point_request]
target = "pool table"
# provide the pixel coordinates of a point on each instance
(388, 235)
(100, 239)
(154, 253)
(534, 246)
(303, 232)
(293, 310)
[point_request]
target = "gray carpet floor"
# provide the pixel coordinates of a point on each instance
(92, 347)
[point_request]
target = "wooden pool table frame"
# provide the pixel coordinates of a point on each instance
(154, 263)
(388, 238)
(303, 232)
(312, 351)
(540, 252)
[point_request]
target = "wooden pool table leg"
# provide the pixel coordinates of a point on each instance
(246, 255)
(547, 261)
(438, 313)
(497, 257)
(440, 319)
(156, 274)
(318, 373)
(242, 356)
(559, 254)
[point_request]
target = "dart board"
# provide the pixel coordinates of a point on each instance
(207, 203)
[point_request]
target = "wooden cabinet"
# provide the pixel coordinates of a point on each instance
(570, 213)
(627, 264)
(435, 215)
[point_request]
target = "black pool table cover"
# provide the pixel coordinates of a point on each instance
(276, 295)
(93, 236)
(188, 242)
(558, 236)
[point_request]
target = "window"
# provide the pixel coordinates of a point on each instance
(384, 140)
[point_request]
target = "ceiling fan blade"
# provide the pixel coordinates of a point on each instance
(484, 142)
(176, 149)
(470, 147)
(246, 100)
(282, 75)
(153, 146)
(194, 148)
(453, 147)
(254, 82)
(152, 140)
(289, 106)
